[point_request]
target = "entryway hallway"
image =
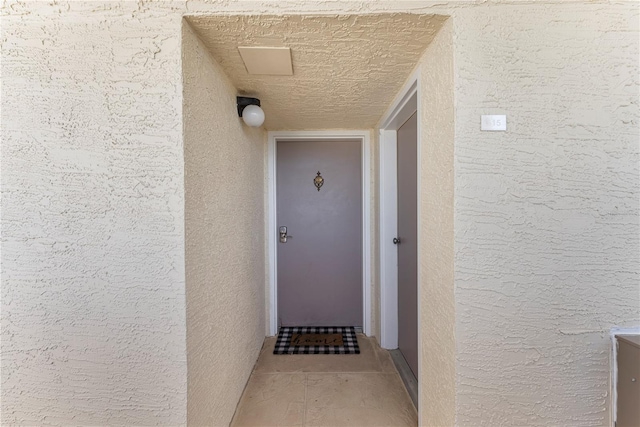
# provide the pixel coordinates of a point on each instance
(325, 390)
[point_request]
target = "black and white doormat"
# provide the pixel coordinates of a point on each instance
(317, 340)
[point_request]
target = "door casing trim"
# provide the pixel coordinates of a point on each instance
(406, 103)
(272, 220)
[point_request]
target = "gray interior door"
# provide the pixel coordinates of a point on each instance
(320, 266)
(408, 246)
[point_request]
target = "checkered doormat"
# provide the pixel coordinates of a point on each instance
(284, 344)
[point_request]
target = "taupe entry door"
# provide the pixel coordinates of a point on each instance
(408, 244)
(320, 265)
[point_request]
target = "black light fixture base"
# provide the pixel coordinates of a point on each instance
(243, 101)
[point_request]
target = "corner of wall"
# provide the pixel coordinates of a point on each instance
(436, 234)
(224, 229)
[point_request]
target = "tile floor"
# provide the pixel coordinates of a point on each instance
(325, 390)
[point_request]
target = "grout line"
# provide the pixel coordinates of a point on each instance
(324, 372)
(304, 408)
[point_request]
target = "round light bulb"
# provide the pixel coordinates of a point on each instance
(253, 115)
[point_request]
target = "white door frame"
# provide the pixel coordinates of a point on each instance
(405, 104)
(272, 228)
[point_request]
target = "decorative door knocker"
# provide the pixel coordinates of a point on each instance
(318, 181)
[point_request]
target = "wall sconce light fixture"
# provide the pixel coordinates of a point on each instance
(250, 111)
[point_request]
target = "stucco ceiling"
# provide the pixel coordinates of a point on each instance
(346, 69)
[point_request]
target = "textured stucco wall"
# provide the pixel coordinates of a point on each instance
(93, 311)
(224, 224)
(436, 239)
(546, 217)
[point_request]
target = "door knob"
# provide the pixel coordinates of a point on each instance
(282, 231)
(396, 240)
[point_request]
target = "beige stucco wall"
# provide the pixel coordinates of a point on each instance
(93, 310)
(436, 239)
(545, 215)
(224, 225)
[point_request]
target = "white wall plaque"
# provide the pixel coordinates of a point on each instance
(493, 122)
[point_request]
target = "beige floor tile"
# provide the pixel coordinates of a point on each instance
(384, 358)
(326, 390)
(371, 359)
(358, 399)
(272, 400)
